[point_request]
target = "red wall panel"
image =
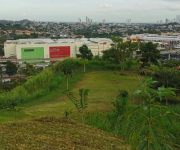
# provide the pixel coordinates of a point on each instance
(59, 52)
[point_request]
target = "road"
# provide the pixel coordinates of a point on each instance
(16, 75)
(27, 60)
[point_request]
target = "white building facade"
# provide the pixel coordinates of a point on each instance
(48, 48)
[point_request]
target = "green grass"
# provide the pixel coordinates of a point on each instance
(103, 85)
(29, 134)
(57, 134)
(48, 133)
(103, 90)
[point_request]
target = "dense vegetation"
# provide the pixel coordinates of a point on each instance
(146, 116)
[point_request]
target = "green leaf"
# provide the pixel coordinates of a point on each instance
(169, 120)
(143, 145)
(148, 93)
(158, 146)
(137, 92)
(133, 111)
(135, 140)
(152, 147)
(167, 147)
(142, 130)
(153, 134)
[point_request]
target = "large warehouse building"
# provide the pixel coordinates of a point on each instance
(48, 48)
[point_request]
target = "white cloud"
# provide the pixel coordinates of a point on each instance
(70, 10)
(105, 6)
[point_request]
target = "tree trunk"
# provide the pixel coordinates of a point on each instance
(149, 126)
(123, 64)
(84, 66)
(120, 62)
(67, 84)
(121, 67)
(166, 101)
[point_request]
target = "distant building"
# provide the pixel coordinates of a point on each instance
(128, 21)
(167, 21)
(170, 27)
(48, 48)
(178, 18)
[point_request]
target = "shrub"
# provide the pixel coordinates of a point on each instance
(36, 87)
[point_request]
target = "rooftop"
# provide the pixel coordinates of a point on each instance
(54, 41)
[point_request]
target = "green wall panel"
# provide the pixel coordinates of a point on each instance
(32, 52)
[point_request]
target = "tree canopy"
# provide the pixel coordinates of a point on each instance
(11, 68)
(85, 53)
(120, 51)
(67, 67)
(149, 53)
(29, 70)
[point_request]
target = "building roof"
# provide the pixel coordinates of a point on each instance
(54, 41)
(161, 38)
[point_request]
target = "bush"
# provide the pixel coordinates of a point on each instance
(130, 64)
(48, 80)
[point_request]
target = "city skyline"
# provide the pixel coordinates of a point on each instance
(142, 11)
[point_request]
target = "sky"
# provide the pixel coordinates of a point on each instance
(139, 11)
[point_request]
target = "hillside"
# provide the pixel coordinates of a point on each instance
(104, 87)
(56, 134)
(39, 127)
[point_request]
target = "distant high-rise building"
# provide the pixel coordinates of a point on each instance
(103, 21)
(128, 21)
(167, 21)
(79, 20)
(86, 19)
(178, 18)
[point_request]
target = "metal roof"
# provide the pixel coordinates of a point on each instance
(161, 38)
(54, 41)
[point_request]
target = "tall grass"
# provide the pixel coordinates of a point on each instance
(36, 87)
(94, 65)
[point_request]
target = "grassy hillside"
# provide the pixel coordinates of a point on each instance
(56, 134)
(103, 90)
(30, 132)
(103, 85)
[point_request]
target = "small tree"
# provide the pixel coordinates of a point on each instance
(149, 134)
(85, 53)
(149, 53)
(11, 68)
(132, 47)
(167, 77)
(80, 103)
(121, 103)
(67, 66)
(120, 51)
(29, 70)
